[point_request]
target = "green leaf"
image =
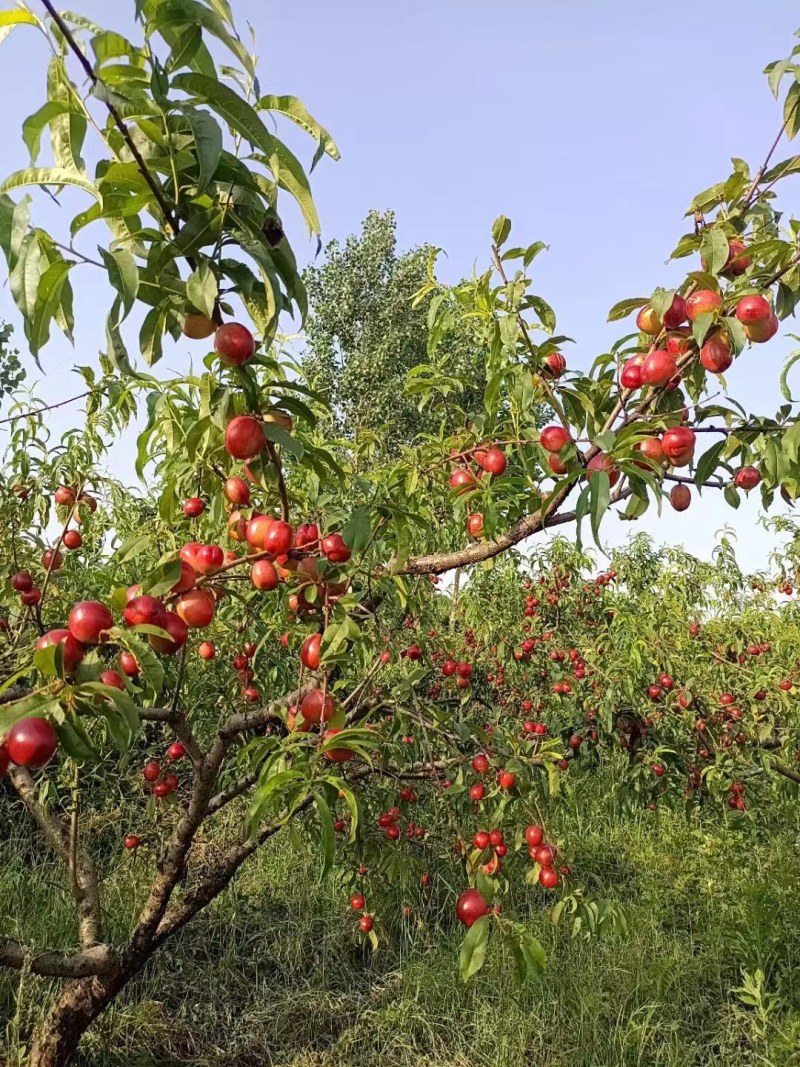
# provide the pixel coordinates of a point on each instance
(791, 110)
(168, 13)
(296, 110)
(131, 547)
(40, 705)
(775, 72)
(150, 666)
(707, 463)
(545, 313)
(68, 131)
(123, 275)
(714, 249)
(14, 218)
(201, 289)
(624, 308)
(358, 529)
(501, 228)
(781, 170)
(33, 126)
(529, 955)
(708, 199)
(48, 302)
(75, 741)
(49, 176)
(285, 167)
(151, 335)
(207, 144)
(600, 493)
(731, 495)
(279, 436)
(784, 383)
(473, 948)
(162, 579)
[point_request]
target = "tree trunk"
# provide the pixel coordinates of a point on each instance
(76, 1007)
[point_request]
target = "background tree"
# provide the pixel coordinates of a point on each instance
(365, 332)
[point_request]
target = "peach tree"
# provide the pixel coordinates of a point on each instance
(257, 638)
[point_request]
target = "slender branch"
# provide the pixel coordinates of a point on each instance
(45, 407)
(751, 192)
(84, 886)
(712, 483)
(225, 796)
(169, 217)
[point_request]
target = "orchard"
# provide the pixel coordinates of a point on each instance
(290, 638)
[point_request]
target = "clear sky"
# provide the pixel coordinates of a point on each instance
(590, 124)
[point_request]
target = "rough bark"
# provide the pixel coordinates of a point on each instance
(73, 1011)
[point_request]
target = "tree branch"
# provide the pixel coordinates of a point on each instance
(437, 563)
(169, 217)
(225, 796)
(84, 883)
(97, 960)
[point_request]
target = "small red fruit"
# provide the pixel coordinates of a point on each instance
(470, 907)
(244, 437)
(752, 309)
(22, 581)
(554, 438)
(193, 507)
(234, 344)
(31, 742)
(151, 771)
(316, 706)
(112, 678)
(88, 621)
(71, 650)
(703, 302)
(209, 559)
(680, 497)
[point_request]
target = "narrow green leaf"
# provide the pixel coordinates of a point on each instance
(123, 275)
(207, 143)
(295, 109)
(623, 308)
(707, 463)
(473, 949)
(49, 176)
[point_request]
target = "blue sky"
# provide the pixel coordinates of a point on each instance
(590, 125)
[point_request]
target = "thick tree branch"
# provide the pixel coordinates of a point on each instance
(173, 861)
(437, 563)
(97, 960)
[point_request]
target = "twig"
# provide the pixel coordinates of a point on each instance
(45, 407)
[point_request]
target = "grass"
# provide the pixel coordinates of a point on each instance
(273, 973)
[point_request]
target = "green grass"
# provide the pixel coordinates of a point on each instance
(273, 973)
